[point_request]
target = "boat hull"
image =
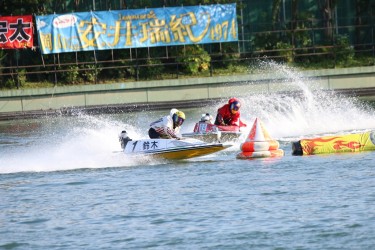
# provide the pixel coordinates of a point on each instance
(187, 153)
(212, 137)
(214, 133)
(172, 149)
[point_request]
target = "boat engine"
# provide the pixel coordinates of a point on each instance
(124, 139)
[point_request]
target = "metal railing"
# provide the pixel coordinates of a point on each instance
(52, 68)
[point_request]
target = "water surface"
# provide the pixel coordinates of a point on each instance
(65, 184)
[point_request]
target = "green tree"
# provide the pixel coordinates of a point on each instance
(194, 59)
(22, 7)
(276, 12)
(327, 7)
(363, 10)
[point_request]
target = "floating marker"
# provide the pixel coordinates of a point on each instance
(259, 144)
(335, 144)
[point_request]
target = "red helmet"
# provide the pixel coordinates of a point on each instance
(233, 99)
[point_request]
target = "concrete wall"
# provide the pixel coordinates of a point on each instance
(361, 80)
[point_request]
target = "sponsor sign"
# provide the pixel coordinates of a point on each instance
(16, 32)
(102, 30)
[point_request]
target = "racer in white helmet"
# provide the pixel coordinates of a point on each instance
(168, 126)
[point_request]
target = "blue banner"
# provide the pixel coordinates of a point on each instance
(103, 30)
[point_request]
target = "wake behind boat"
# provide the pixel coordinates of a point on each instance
(170, 149)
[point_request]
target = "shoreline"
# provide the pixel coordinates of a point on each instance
(182, 93)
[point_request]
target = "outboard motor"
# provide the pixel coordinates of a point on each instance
(124, 139)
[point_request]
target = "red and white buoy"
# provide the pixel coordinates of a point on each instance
(259, 144)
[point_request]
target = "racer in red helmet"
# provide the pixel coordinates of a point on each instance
(229, 114)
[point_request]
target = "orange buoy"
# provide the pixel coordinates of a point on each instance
(259, 144)
(261, 154)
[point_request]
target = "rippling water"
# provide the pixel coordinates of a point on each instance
(318, 202)
(65, 184)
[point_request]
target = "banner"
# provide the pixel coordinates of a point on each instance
(103, 30)
(16, 32)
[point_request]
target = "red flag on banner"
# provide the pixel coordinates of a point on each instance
(16, 32)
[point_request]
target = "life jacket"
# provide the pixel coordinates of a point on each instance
(224, 115)
(164, 127)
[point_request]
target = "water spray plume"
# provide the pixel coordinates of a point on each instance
(308, 110)
(85, 141)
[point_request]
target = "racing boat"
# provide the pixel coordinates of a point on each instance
(171, 149)
(206, 131)
(214, 133)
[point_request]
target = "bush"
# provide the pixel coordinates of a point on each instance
(343, 51)
(272, 45)
(9, 83)
(153, 70)
(70, 74)
(230, 54)
(194, 59)
(286, 51)
(90, 73)
(21, 77)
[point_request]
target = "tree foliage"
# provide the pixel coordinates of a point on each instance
(23, 7)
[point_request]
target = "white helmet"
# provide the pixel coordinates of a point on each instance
(207, 118)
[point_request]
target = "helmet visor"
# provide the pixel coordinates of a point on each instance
(235, 106)
(179, 121)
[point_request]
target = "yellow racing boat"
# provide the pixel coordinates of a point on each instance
(171, 149)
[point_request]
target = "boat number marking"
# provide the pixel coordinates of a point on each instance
(134, 144)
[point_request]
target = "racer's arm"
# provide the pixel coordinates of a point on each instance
(235, 120)
(171, 133)
(219, 120)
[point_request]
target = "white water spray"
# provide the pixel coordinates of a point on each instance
(86, 141)
(311, 113)
(71, 143)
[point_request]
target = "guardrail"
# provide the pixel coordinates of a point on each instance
(53, 68)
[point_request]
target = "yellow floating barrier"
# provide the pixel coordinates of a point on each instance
(335, 144)
(259, 144)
